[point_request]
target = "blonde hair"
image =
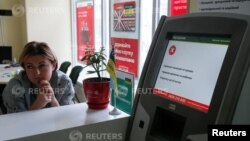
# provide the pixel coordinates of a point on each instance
(37, 48)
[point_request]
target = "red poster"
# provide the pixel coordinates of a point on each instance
(178, 7)
(126, 54)
(85, 28)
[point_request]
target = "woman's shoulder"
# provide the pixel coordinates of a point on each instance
(16, 85)
(21, 78)
(60, 77)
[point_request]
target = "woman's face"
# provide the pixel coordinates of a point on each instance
(38, 68)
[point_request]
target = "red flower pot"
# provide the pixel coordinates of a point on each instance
(97, 92)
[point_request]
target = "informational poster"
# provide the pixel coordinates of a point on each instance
(125, 96)
(178, 7)
(231, 6)
(126, 54)
(124, 19)
(85, 27)
(190, 70)
(124, 16)
(124, 34)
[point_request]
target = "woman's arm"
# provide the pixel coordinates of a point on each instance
(14, 97)
(67, 93)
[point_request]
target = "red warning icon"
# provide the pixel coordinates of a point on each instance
(172, 50)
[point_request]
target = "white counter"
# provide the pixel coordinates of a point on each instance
(78, 116)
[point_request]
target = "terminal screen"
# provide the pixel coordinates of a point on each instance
(190, 69)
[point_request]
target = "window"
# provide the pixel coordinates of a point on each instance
(149, 14)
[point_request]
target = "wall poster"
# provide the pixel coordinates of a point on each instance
(178, 7)
(125, 34)
(124, 16)
(126, 54)
(85, 27)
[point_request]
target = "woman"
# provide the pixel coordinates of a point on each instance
(40, 84)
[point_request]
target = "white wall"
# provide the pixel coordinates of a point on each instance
(50, 21)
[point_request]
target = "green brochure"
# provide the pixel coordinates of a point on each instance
(124, 99)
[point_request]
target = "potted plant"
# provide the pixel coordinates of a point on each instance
(96, 89)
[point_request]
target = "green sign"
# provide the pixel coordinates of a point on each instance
(124, 99)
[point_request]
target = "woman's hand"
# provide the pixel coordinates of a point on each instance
(46, 95)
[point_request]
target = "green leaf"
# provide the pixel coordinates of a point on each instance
(97, 60)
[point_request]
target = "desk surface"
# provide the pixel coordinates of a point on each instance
(23, 124)
(7, 73)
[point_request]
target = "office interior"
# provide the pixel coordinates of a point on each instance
(152, 117)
